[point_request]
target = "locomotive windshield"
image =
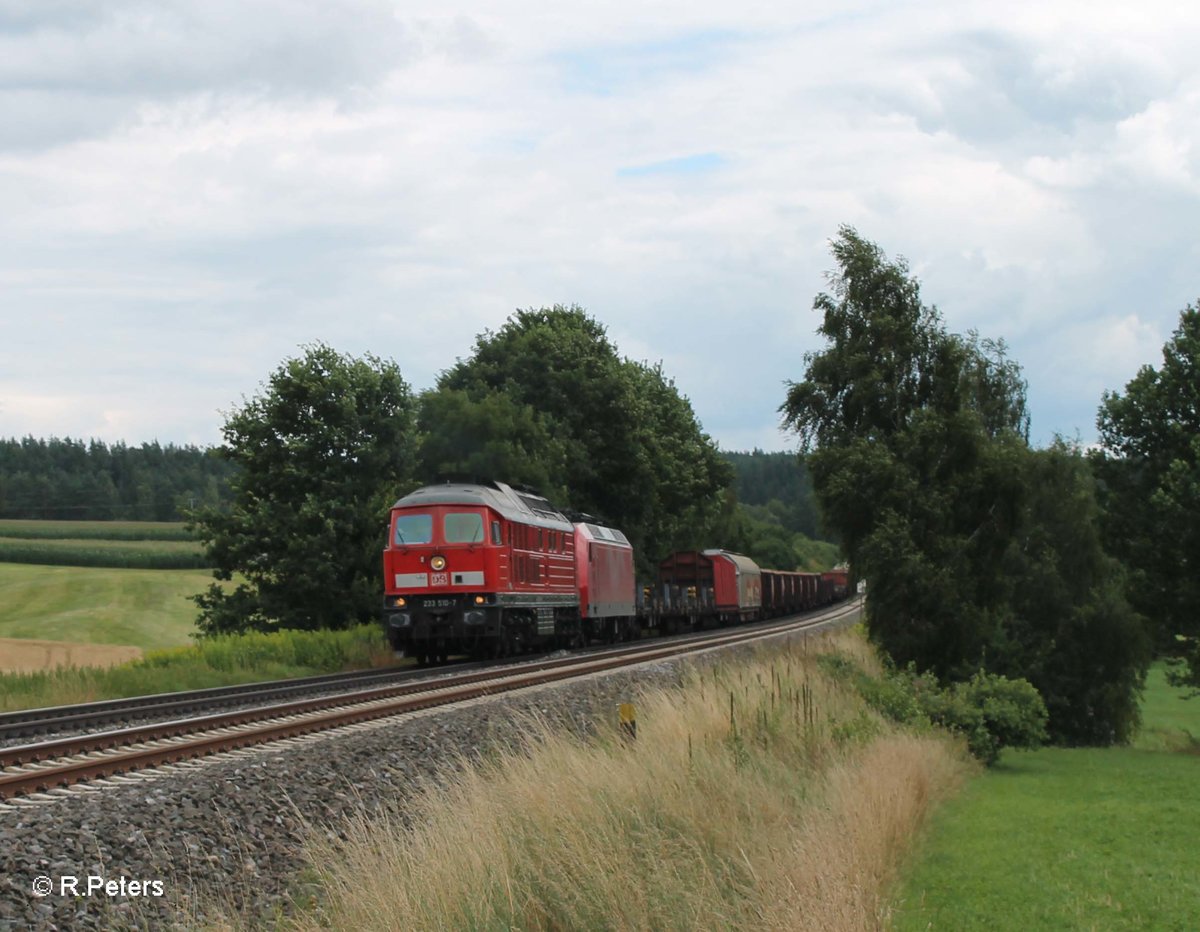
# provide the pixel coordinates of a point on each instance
(464, 528)
(414, 529)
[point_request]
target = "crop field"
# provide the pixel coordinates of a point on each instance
(131, 554)
(146, 545)
(1072, 838)
(94, 530)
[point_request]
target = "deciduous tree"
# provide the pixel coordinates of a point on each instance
(548, 400)
(980, 554)
(1149, 472)
(322, 452)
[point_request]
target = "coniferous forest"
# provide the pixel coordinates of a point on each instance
(65, 479)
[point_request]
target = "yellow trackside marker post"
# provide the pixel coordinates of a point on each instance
(628, 716)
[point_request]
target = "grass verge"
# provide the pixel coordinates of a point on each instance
(1071, 838)
(762, 794)
(219, 661)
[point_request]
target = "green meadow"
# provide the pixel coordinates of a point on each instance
(144, 608)
(100, 582)
(1071, 838)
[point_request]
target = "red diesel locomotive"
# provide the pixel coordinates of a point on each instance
(489, 570)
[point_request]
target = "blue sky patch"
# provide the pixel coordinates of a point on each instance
(610, 69)
(684, 165)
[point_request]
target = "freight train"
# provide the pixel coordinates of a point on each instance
(490, 570)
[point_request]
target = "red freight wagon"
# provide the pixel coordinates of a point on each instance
(837, 583)
(786, 592)
(810, 583)
(479, 569)
(605, 578)
(728, 582)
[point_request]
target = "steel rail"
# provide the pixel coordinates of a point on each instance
(38, 721)
(133, 749)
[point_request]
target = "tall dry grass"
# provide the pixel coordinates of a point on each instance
(761, 795)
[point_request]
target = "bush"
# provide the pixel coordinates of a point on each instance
(992, 712)
(1013, 711)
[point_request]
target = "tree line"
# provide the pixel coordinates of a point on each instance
(69, 479)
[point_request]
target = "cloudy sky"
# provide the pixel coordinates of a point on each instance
(192, 190)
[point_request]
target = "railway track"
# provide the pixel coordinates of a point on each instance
(27, 722)
(48, 765)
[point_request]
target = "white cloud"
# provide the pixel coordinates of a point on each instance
(1161, 144)
(207, 186)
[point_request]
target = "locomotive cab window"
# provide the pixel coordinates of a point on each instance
(413, 529)
(464, 528)
(497, 538)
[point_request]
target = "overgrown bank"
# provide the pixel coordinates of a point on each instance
(763, 794)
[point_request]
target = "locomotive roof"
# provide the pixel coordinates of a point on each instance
(503, 499)
(611, 535)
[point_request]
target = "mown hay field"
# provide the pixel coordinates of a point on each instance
(20, 655)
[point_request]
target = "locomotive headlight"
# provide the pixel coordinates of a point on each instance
(400, 602)
(479, 600)
(438, 562)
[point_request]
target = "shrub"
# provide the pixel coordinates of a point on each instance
(991, 712)
(1010, 713)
